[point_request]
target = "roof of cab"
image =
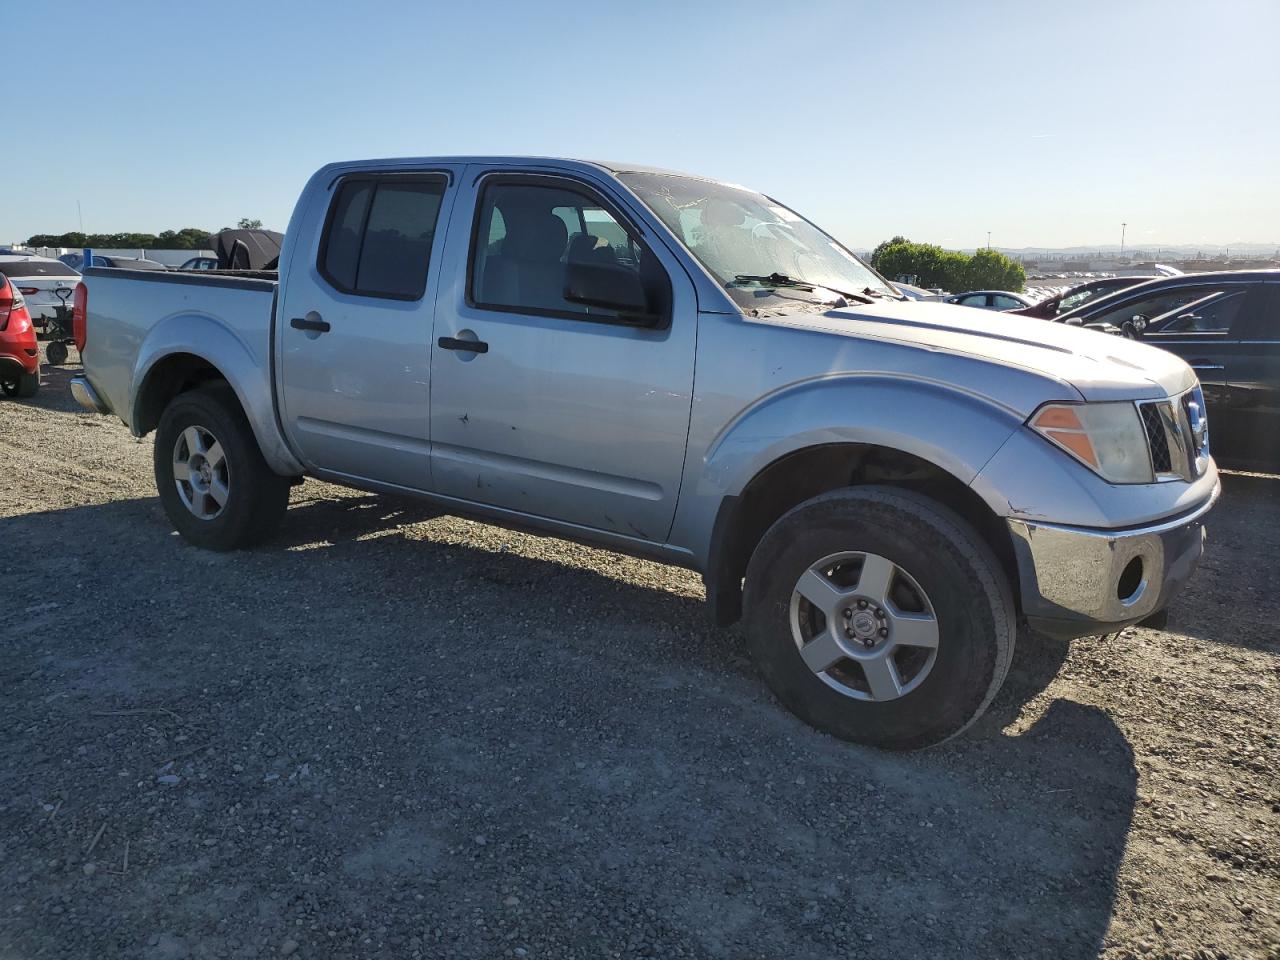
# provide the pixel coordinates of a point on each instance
(609, 166)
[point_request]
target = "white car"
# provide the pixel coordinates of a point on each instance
(39, 279)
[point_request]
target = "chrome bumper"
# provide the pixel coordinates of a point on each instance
(1078, 581)
(86, 396)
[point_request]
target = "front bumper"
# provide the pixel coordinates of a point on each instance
(1078, 581)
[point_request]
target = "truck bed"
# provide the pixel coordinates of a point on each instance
(139, 315)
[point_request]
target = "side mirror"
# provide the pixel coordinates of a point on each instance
(609, 287)
(1133, 327)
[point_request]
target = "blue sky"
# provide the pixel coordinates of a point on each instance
(1044, 123)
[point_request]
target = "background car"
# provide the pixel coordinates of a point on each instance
(1077, 296)
(200, 263)
(99, 260)
(1227, 326)
(990, 300)
(38, 279)
(19, 354)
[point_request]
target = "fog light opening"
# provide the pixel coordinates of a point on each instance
(1131, 583)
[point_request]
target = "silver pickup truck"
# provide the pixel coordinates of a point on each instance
(690, 371)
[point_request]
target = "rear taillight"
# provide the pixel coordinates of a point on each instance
(6, 303)
(79, 316)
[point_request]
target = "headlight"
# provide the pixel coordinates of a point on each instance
(1106, 437)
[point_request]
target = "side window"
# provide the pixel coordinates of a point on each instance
(379, 236)
(1213, 314)
(1005, 303)
(1075, 300)
(1151, 306)
(523, 265)
(974, 300)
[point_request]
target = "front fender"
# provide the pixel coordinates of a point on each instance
(247, 370)
(955, 430)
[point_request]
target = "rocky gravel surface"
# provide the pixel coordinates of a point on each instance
(394, 734)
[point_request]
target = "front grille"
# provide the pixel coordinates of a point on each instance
(1177, 435)
(1157, 437)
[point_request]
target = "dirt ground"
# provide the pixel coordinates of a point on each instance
(390, 733)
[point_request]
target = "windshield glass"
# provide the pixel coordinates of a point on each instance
(736, 233)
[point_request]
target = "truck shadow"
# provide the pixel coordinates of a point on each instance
(451, 717)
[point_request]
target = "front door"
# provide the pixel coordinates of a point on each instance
(355, 324)
(560, 410)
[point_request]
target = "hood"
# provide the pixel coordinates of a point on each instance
(1098, 365)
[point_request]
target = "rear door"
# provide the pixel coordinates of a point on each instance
(569, 413)
(1249, 434)
(354, 326)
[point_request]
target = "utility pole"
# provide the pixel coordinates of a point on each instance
(1122, 229)
(988, 239)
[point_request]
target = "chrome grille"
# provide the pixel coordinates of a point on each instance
(1177, 435)
(1157, 441)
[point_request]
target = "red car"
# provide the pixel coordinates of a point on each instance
(19, 355)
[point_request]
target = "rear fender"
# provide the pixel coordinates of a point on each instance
(246, 370)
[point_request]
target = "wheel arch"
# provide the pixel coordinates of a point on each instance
(801, 474)
(188, 351)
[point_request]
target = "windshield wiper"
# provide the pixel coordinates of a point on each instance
(883, 294)
(782, 280)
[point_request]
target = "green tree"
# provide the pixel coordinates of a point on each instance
(884, 245)
(188, 238)
(244, 223)
(932, 266)
(992, 270)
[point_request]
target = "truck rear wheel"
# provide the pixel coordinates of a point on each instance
(879, 616)
(216, 488)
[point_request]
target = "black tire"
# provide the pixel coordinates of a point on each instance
(24, 386)
(256, 497)
(965, 584)
(56, 352)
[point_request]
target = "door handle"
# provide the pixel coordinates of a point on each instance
(471, 346)
(310, 322)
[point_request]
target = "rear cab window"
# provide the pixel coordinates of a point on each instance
(379, 235)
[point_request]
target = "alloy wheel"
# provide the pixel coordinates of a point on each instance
(864, 626)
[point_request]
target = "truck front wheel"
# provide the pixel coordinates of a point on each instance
(879, 616)
(216, 488)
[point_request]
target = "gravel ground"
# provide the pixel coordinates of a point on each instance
(390, 733)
